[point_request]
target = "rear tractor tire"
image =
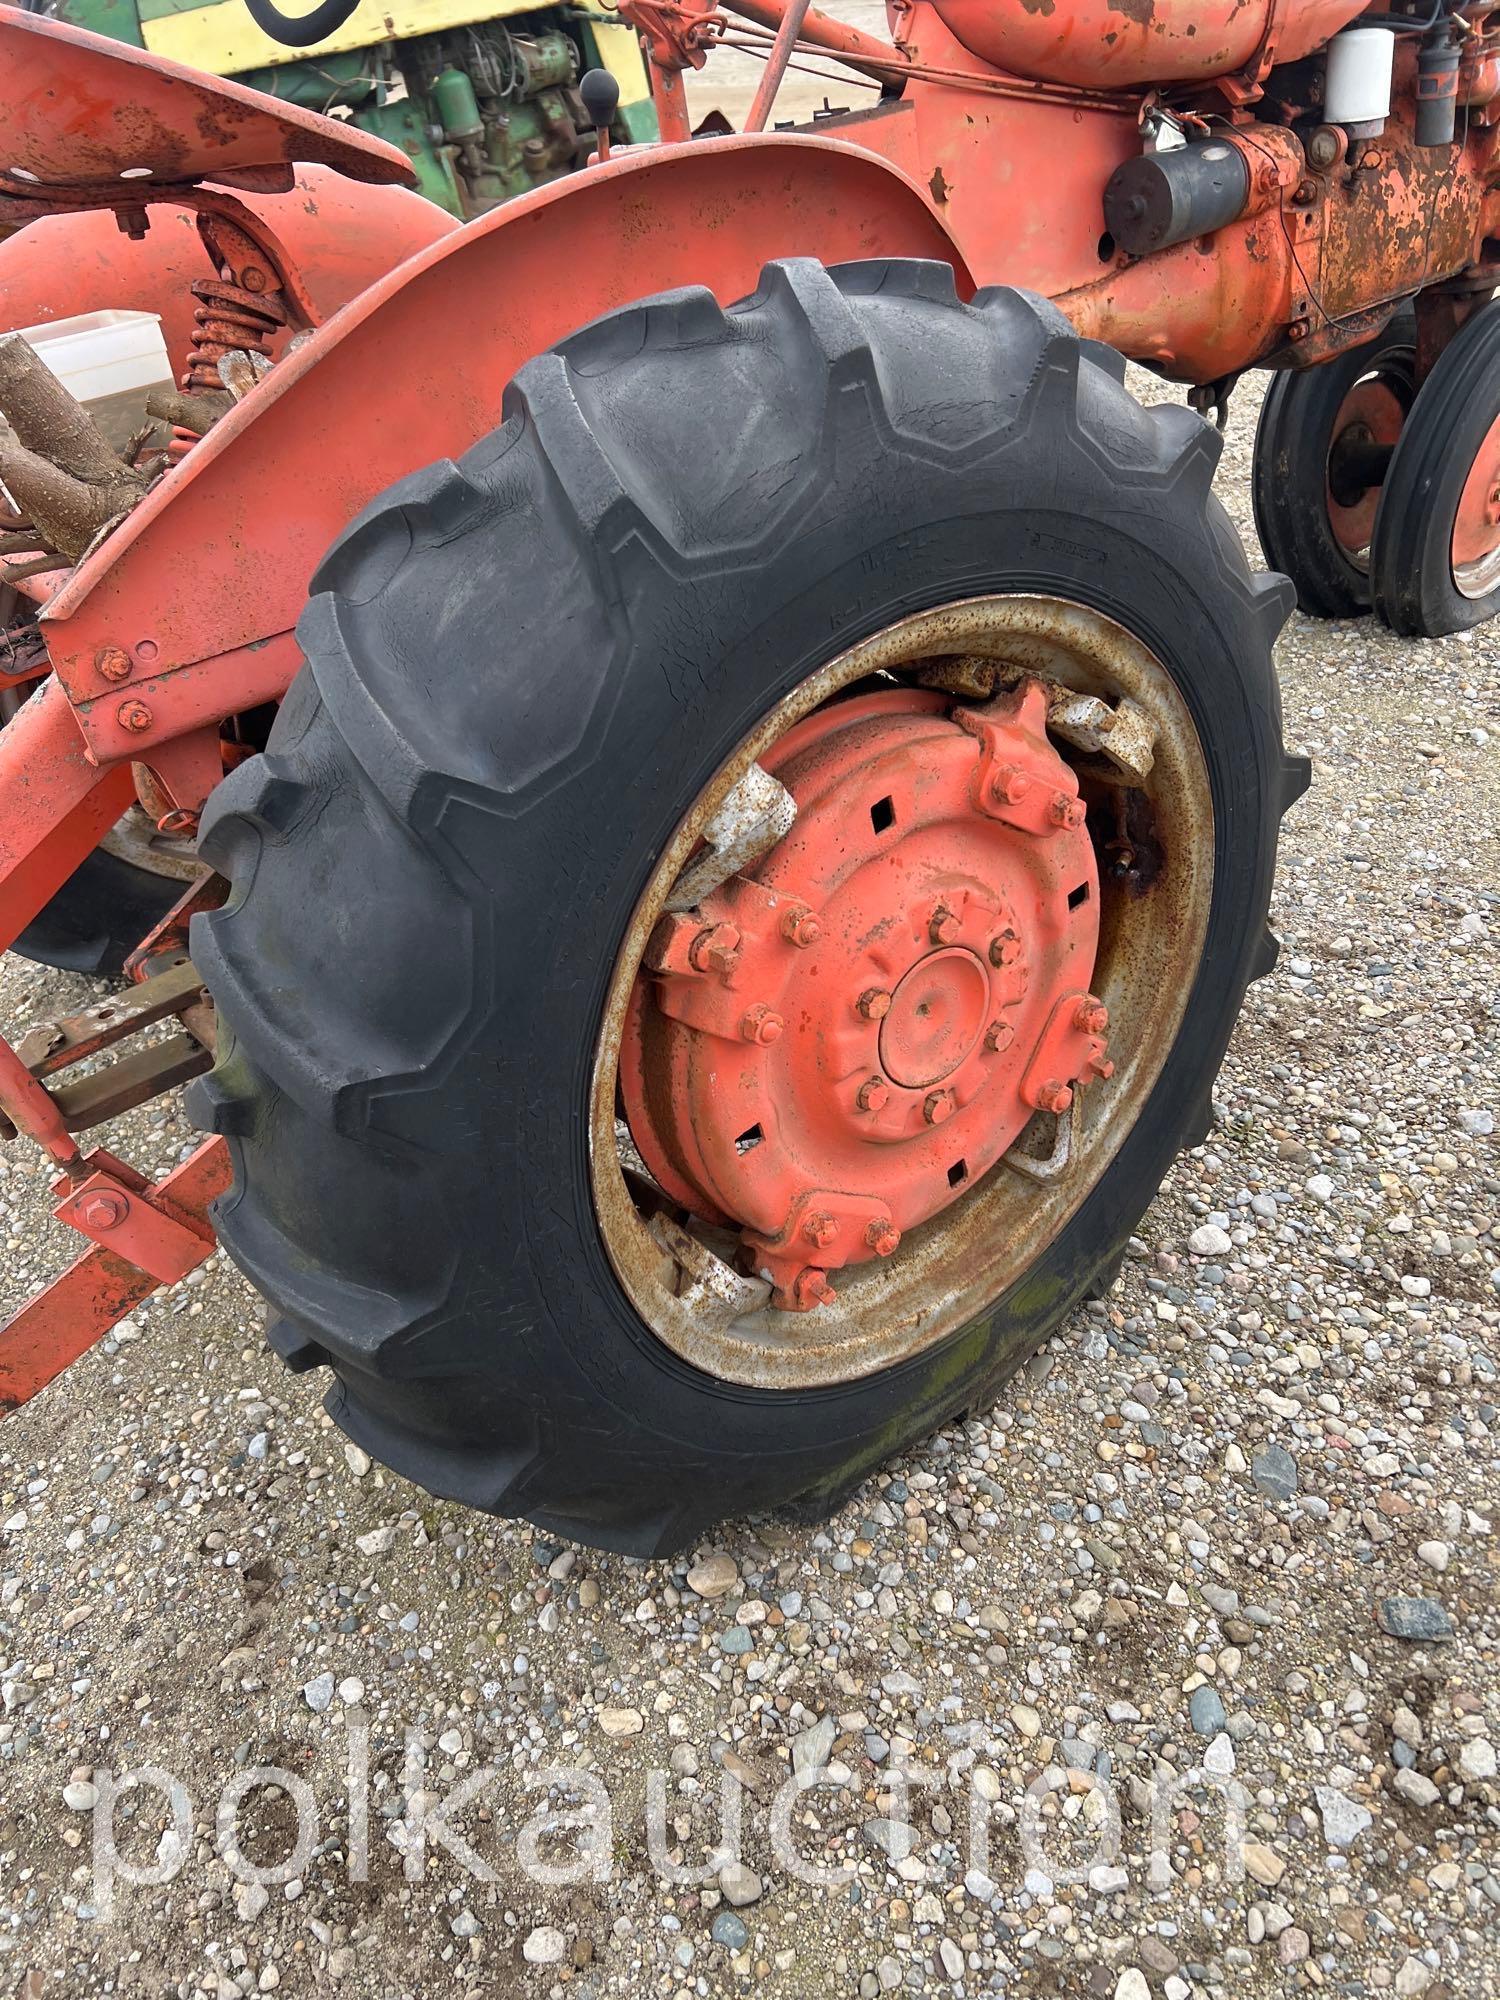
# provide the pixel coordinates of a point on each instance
(745, 901)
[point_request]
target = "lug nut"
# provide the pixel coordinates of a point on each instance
(1092, 1017)
(874, 1094)
(102, 1211)
(1009, 784)
(1005, 949)
(811, 1288)
(819, 1229)
(998, 1035)
(801, 927)
(883, 1237)
(937, 1105)
(1063, 811)
(944, 928)
(762, 1025)
(134, 716)
(874, 1003)
(112, 663)
(715, 950)
(1054, 1096)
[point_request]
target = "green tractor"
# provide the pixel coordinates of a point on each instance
(481, 94)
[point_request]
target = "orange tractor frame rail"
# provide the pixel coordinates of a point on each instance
(1017, 146)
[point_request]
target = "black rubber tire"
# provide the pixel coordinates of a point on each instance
(522, 669)
(98, 916)
(1456, 406)
(1289, 480)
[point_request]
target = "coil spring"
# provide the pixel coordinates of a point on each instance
(226, 318)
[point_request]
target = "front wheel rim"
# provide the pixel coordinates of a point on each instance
(1151, 817)
(1474, 551)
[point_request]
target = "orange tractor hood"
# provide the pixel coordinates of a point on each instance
(1113, 46)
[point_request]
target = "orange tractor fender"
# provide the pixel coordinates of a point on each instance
(416, 366)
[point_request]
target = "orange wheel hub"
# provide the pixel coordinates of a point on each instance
(1476, 529)
(1371, 415)
(832, 1046)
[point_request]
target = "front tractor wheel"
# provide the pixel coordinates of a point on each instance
(746, 900)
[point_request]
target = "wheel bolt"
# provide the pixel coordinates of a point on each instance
(819, 1229)
(134, 716)
(874, 1003)
(762, 1025)
(874, 1094)
(801, 927)
(811, 1288)
(998, 1035)
(944, 927)
(883, 1237)
(715, 950)
(111, 663)
(102, 1211)
(1054, 1096)
(1008, 784)
(937, 1105)
(1005, 949)
(1063, 811)
(1092, 1017)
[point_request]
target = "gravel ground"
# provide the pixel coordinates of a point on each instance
(1187, 1541)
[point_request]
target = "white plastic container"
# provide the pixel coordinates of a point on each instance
(110, 361)
(1357, 90)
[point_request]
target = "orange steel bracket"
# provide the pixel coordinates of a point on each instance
(97, 1290)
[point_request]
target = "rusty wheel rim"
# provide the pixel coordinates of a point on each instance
(1475, 550)
(1368, 423)
(1151, 819)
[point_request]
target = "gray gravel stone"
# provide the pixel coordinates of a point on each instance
(1415, 1618)
(1274, 1471)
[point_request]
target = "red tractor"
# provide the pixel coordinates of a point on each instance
(703, 777)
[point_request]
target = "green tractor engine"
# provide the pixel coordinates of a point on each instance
(485, 107)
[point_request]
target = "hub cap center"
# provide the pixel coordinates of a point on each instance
(938, 1013)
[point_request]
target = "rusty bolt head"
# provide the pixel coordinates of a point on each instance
(1092, 1017)
(937, 1105)
(874, 1094)
(800, 927)
(102, 1211)
(1054, 1096)
(819, 1229)
(811, 1288)
(1005, 949)
(112, 663)
(134, 716)
(715, 950)
(998, 1036)
(1008, 785)
(944, 927)
(762, 1025)
(1065, 811)
(1102, 1067)
(874, 1003)
(883, 1237)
